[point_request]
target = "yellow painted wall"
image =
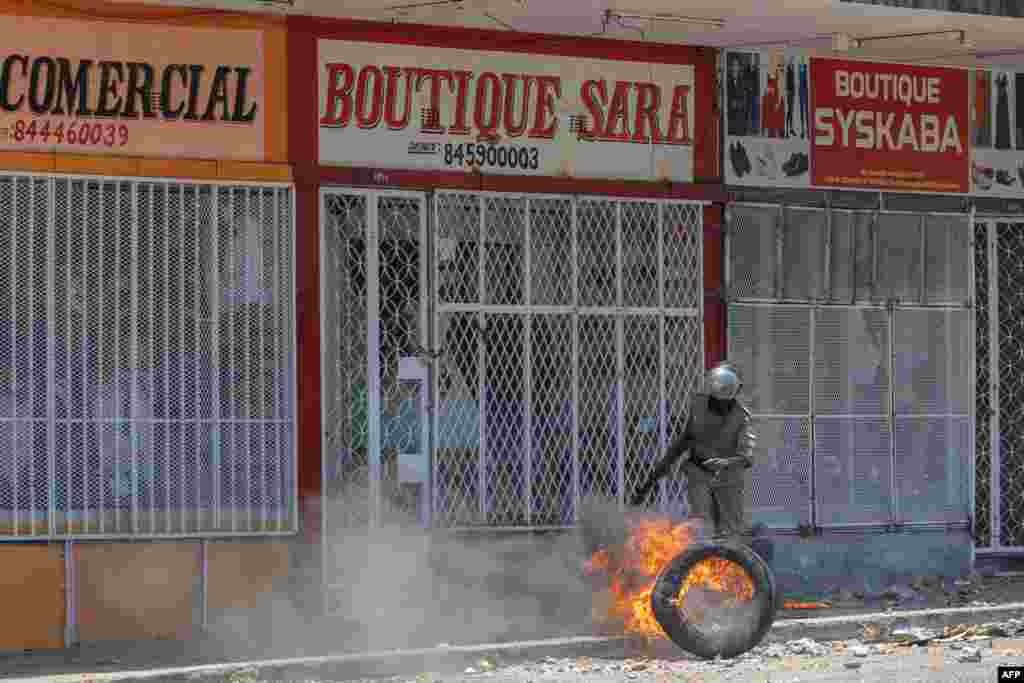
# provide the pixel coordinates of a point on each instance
(136, 591)
(32, 593)
(240, 572)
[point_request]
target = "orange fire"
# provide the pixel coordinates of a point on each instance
(632, 570)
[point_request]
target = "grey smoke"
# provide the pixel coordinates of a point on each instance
(400, 586)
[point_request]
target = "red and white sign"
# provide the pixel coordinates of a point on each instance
(887, 126)
(429, 108)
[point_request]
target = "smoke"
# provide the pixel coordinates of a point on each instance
(405, 588)
(402, 586)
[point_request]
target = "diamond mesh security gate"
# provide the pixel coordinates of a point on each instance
(999, 434)
(147, 353)
(373, 279)
(852, 327)
(569, 338)
(566, 338)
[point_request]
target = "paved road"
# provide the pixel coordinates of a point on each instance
(913, 666)
(908, 668)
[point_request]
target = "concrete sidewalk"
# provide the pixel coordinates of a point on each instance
(456, 659)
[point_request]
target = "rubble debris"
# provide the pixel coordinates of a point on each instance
(992, 630)
(954, 643)
(804, 646)
(900, 593)
(902, 632)
(249, 675)
(873, 632)
(969, 655)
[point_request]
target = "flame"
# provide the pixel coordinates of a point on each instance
(631, 572)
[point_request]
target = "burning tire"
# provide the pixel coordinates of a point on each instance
(740, 582)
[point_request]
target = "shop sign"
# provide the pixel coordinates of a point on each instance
(902, 128)
(794, 121)
(130, 89)
(396, 106)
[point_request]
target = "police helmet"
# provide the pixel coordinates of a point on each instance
(723, 382)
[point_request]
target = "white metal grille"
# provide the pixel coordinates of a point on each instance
(569, 340)
(984, 261)
(860, 391)
(1006, 349)
(374, 319)
(147, 357)
(566, 342)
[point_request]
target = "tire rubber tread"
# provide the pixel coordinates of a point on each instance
(767, 599)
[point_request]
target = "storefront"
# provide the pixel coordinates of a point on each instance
(511, 291)
(998, 187)
(851, 302)
(146, 243)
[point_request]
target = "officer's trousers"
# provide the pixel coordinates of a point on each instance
(721, 505)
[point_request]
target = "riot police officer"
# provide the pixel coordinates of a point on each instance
(720, 439)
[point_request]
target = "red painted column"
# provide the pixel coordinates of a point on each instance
(714, 306)
(302, 151)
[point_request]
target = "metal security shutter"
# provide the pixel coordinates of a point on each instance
(852, 331)
(772, 345)
(853, 467)
(148, 353)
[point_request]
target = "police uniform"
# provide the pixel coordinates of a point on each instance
(717, 499)
(718, 428)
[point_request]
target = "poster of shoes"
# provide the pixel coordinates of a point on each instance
(767, 119)
(997, 105)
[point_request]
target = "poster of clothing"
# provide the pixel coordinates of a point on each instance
(768, 119)
(998, 115)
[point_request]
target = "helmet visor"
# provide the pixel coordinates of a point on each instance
(722, 383)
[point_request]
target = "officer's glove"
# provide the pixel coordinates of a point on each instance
(720, 463)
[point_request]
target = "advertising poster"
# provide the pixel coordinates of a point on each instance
(428, 108)
(767, 119)
(794, 121)
(997, 103)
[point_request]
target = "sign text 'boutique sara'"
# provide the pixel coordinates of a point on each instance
(447, 109)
